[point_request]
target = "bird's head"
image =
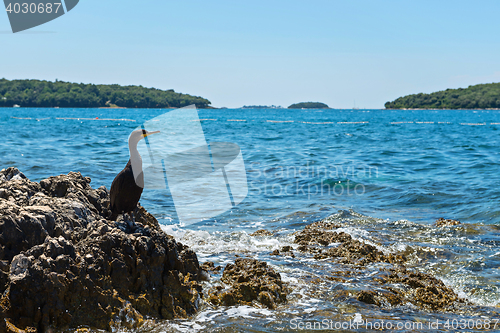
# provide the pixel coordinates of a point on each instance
(138, 135)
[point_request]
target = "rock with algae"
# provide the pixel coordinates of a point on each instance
(392, 286)
(348, 251)
(250, 280)
(441, 222)
(401, 285)
(63, 264)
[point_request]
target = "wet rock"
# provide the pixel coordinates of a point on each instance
(250, 280)
(349, 251)
(401, 286)
(318, 233)
(262, 232)
(63, 264)
(355, 252)
(285, 251)
(393, 285)
(441, 222)
(209, 266)
(368, 297)
(423, 290)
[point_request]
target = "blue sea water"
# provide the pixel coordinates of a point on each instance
(398, 169)
(418, 165)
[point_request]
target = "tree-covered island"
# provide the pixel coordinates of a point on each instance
(309, 105)
(481, 96)
(36, 93)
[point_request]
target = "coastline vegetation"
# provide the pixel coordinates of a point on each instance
(36, 93)
(481, 96)
(309, 105)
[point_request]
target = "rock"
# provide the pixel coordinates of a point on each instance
(319, 233)
(400, 286)
(262, 232)
(368, 297)
(394, 285)
(423, 290)
(250, 280)
(63, 264)
(349, 251)
(355, 252)
(441, 222)
(11, 174)
(209, 266)
(285, 251)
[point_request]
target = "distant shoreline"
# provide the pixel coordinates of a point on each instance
(38, 93)
(93, 107)
(433, 109)
(480, 96)
(224, 108)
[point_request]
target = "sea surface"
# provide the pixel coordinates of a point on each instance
(386, 174)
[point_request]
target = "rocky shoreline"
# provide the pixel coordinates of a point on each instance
(64, 264)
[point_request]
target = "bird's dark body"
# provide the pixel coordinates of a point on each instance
(124, 193)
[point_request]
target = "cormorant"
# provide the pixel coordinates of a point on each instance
(125, 193)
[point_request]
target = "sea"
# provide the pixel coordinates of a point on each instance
(386, 175)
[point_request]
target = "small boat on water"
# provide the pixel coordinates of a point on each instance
(16, 106)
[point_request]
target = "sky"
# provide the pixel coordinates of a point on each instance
(273, 52)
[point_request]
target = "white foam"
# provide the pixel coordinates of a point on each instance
(209, 244)
(246, 311)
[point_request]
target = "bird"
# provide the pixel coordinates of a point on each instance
(125, 191)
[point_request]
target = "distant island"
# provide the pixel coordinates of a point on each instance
(481, 96)
(309, 105)
(261, 107)
(36, 93)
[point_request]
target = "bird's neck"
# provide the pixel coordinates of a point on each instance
(135, 159)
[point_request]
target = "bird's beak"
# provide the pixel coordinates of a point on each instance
(149, 133)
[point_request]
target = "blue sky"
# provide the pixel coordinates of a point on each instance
(278, 52)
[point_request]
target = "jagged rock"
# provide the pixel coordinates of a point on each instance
(368, 297)
(441, 222)
(261, 232)
(423, 290)
(209, 266)
(319, 233)
(355, 252)
(285, 251)
(250, 280)
(349, 251)
(64, 264)
(400, 286)
(393, 286)
(11, 174)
